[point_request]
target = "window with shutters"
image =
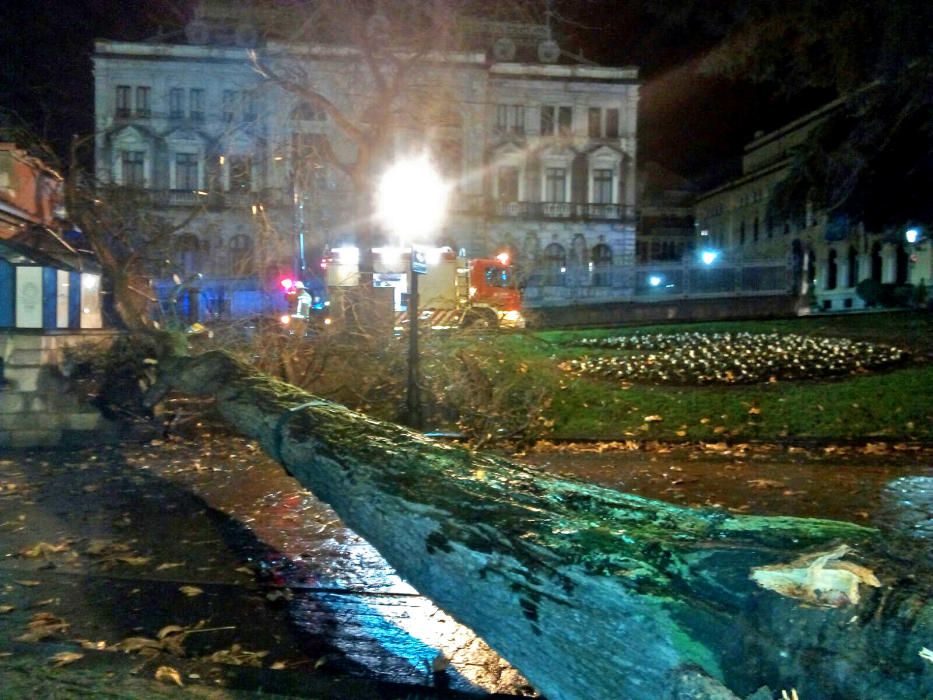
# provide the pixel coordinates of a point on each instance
(241, 179)
(547, 120)
(565, 121)
(123, 102)
(602, 186)
(196, 104)
(555, 185)
(186, 171)
(508, 184)
(133, 168)
(143, 109)
(176, 103)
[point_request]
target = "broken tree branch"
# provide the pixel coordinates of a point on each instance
(590, 592)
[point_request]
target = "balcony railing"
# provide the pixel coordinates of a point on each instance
(564, 210)
(269, 197)
(178, 198)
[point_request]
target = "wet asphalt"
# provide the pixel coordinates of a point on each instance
(200, 554)
(197, 560)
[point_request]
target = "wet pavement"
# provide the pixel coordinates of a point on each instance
(836, 482)
(206, 556)
(201, 556)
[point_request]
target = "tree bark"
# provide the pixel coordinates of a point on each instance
(592, 593)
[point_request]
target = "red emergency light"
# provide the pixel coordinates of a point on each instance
(287, 284)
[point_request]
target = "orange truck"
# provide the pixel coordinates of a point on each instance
(453, 292)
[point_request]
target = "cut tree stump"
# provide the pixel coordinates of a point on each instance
(596, 594)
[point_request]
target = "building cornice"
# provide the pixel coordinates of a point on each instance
(744, 179)
(577, 73)
(105, 48)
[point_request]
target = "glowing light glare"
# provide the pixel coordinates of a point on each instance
(654, 280)
(391, 257)
(285, 319)
(912, 235)
(411, 200)
(347, 255)
(503, 258)
(287, 283)
(709, 256)
(432, 256)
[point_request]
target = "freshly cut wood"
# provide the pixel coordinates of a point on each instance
(593, 593)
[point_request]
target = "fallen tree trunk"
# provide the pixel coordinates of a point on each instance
(592, 593)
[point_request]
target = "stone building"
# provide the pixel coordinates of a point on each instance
(29, 191)
(50, 301)
(827, 258)
(540, 148)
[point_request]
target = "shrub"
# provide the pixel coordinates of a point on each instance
(869, 291)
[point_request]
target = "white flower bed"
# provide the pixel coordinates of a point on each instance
(729, 358)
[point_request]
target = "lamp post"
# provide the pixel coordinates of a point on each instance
(411, 202)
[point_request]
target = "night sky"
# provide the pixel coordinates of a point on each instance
(692, 125)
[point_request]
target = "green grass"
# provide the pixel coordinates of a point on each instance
(894, 404)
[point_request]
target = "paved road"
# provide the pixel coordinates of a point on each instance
(203, 558)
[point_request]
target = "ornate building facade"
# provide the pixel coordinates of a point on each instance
(827, 258)
(540, 151)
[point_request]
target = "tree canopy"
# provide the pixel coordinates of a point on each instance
(870, 160)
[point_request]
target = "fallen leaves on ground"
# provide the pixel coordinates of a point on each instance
(238, 656)
(43, 549)
(766, 484)
(191, 591)
(43, 625)
(168, 674)
(138, 645)
(169, 565)
(108, 554)
(63, 658)
(4, 609)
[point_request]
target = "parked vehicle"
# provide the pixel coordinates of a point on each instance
(453, 290)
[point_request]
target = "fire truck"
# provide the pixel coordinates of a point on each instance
(453, 291)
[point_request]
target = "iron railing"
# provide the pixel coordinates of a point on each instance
(565, 286)
(564, 210)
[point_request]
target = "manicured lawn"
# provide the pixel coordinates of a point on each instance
(894, 403)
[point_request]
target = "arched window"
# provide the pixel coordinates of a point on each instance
(578, 261)
(555, 264)
(901, 262)
(832, 269)
(187, 253)
(853, 266)
(241, 255)
(797, 265)
(876, 262)
(601, 259)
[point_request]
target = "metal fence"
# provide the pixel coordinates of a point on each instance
(658, 282)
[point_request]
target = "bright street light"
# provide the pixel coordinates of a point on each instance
(912, 235)
(411, 202)
(709, 256)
